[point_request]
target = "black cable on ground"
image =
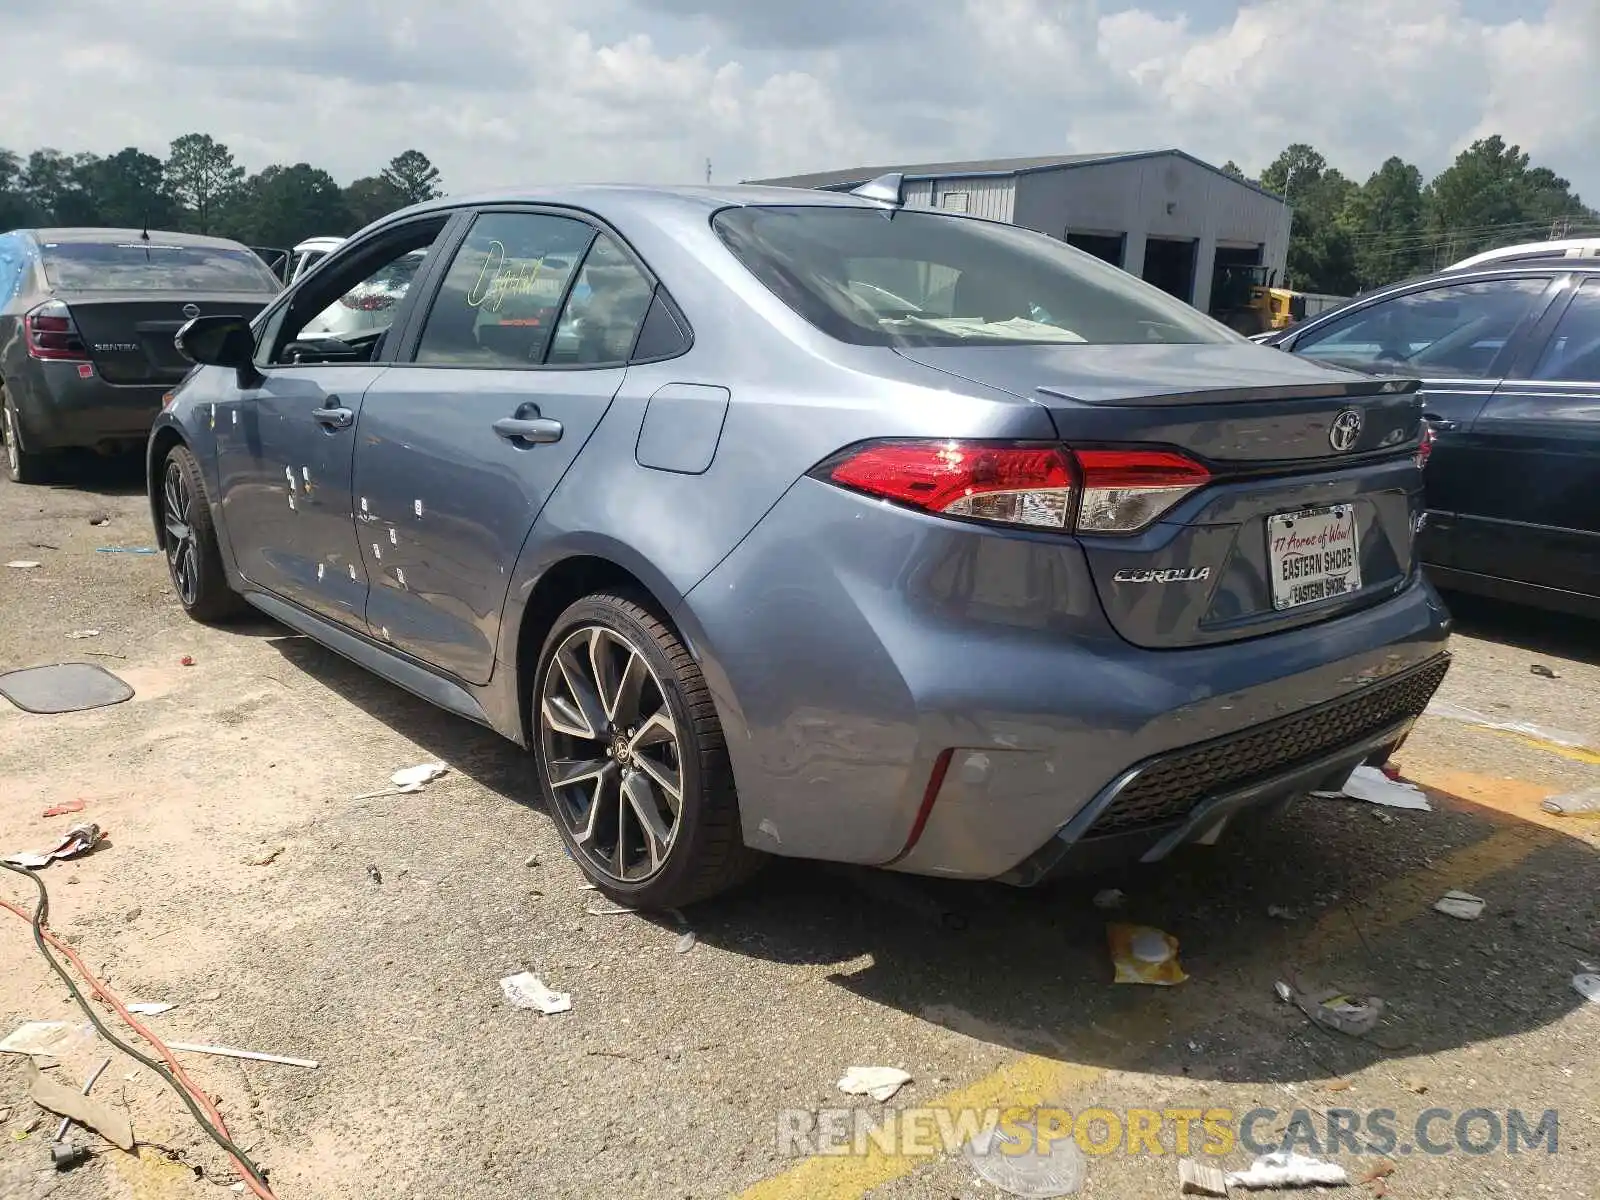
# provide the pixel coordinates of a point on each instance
(41, 915)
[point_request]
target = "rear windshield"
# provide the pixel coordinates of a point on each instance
(153, 267)
(908, 278)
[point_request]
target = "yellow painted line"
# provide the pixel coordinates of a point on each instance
(1575, 753)
(1509, 797)
(1028, 1081)
(1033, 1080)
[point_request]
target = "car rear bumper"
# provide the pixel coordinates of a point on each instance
(859, 653)
(59, 409)
(1182, 797)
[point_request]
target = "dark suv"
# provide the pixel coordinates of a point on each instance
(87, 318)
(1507, 346)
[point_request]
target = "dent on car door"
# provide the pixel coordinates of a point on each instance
(1455, 337)
(516, 362)
(1535, 453)
(285, 444)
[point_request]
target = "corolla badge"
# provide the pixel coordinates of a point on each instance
(1170, 575)
(1345, 431)
(191, 311)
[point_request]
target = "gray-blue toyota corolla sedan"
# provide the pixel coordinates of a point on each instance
(799, 523)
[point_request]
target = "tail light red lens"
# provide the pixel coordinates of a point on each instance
(1031, 485)
(1009, 484)
(1425, 444)
(52, 335)
(1125, 490)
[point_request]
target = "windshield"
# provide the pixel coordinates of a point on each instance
(153, 267)
(908, 278)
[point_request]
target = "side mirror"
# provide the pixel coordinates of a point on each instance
(221, 341)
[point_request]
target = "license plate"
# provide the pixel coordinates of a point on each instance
(1313, 555)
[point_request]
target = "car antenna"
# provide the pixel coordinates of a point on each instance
(888, 189)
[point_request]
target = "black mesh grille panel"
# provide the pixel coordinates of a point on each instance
(1167, 788)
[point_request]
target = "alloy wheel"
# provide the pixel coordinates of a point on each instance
(612, 753)
(183, 555)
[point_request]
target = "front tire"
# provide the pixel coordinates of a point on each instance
(21, 466)
(631, 758)
(194, 561)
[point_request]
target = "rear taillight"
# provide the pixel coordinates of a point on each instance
(1026, 484)
(1425, 444)
(1125, 490)
(52, 335)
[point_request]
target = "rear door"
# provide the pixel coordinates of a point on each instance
(1457, 338)
(1534, 454)
(286, 444)
(517, 360)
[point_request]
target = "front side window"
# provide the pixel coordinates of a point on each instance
(917, 278)
(153, 266)
(500, 300)
(1573, 354)
(371, 304)
(1456, 331)
(345, 311)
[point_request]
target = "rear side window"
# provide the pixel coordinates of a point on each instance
(501, 297)
(910, 278)
(604, 311)
(1573, 353)
(1453, 331)
(153, 266)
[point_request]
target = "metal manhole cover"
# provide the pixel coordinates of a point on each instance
(63, 687)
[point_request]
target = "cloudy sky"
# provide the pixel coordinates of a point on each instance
(508, 91)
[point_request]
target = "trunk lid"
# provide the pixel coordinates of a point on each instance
(129, 335)
(1266, 545)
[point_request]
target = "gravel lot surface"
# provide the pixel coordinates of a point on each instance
(668, 1076)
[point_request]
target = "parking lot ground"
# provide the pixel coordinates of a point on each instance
(672, 1072)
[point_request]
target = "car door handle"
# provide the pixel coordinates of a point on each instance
(334, 416)
(528, 430)
(1440, 424)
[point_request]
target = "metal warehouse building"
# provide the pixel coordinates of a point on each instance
(1160, 214)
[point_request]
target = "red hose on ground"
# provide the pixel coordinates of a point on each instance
(98, 988)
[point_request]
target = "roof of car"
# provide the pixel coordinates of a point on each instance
(584, 195)
(87, 235)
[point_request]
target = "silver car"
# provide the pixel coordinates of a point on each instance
(797, 523)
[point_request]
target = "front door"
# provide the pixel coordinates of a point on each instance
(285, 446)
(1534, 451)
(517, 360)
(1456, 337)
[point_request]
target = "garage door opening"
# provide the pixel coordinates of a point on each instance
(1107, 246)
(1169, 264)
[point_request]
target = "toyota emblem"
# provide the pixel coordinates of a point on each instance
(193, 310)
(1345, 431)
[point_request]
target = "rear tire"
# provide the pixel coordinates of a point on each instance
(21, 465)
(631, 758)
(189, 540)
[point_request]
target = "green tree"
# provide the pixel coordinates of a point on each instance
(284, 205)
(1232, 168)
(54, 183)
(413, 176)
(202, 176)
(1385, 219)
(16, 209)
(1322, 257)
(371, 197)
(129, 190)
(1490, 196)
